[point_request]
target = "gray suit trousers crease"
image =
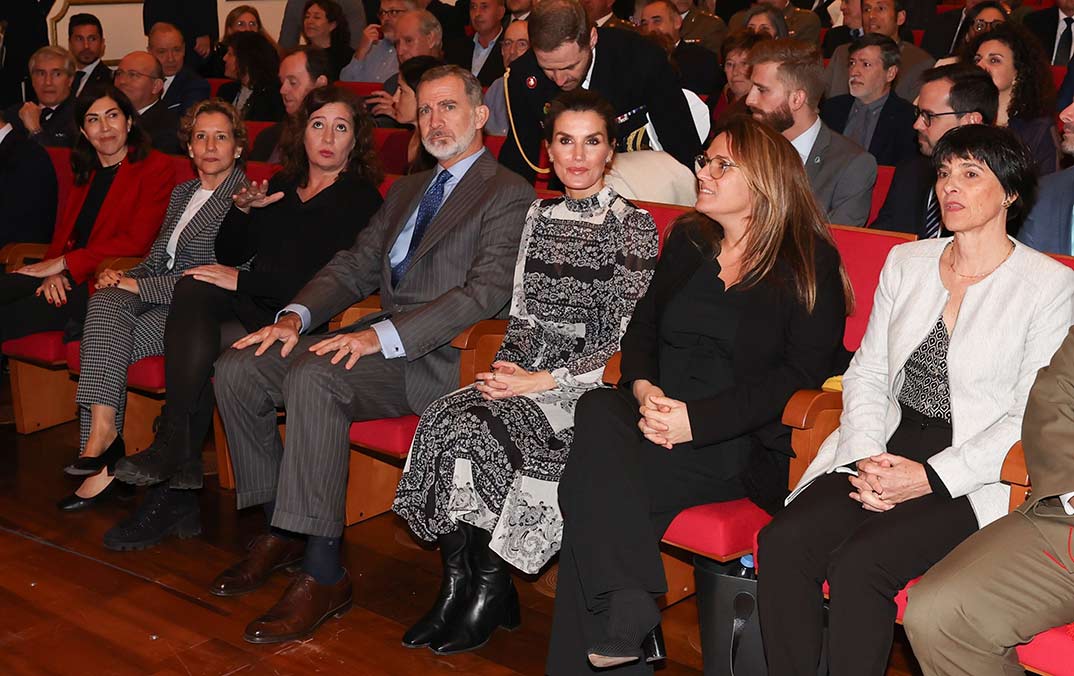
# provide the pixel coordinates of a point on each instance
(998, 589)
(307, 474)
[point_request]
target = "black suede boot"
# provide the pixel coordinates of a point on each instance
(454, 591)
(162, 458)
(493, 600)
(164, 512)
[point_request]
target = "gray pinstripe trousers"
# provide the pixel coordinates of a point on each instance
(307, 475)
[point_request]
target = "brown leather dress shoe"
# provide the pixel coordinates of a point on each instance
(304, 607)
(267, 554)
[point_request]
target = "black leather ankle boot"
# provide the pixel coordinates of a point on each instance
(161, 459)
(454, 591)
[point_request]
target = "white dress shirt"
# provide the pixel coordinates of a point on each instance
(4, 131)
(804, 142)
(167, 83)
(481, 54)
(197, 201)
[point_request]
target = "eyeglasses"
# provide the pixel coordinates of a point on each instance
(929, 117)
(392, 12)
(721, 165)
(119, 73)
(980, 25)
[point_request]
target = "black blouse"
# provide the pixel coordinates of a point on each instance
(100, 184)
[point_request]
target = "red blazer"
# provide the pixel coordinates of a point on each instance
(128, 222)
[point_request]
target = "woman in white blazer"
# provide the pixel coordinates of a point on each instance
(932, 401)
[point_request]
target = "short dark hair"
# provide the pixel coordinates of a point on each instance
(412, 70)
(470, 84)
(255, 57)
(1033, 92)
(972, 89)
(742, 40)
(318, 62)
(363, 161)
(800, 65)
(84, 159)
(1004, 153)
(553, 23)
(333, 12)
(889, 49)
(84, 19)
(581, 101)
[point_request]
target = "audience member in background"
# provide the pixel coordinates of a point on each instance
(883, 17)
(736, 68)
(278, 235)
(909, 474)
(764, 19)
(788, 82)
(982, 18)
(253, 64)
(301, 71)
(599, 13)
(701, 25)
(440, 250)
(26, 31)
(85, 40)
(27, 188)
(196, 20)
(325, 27)
(564, 324)
(418, 33)
(481, 54)
(750, 285)
(851, 29)
(453, 19)
(1048, 227)
(951, 96)
(404, 109)
(633, 74)
(518, 10)
(947, 31)
(872, 115)
(801, 23)
(514, 43)
(182, 86)
(50, 120)
(1026, 92)
(696, 65)
(115, 208)
(141, 78)
(374, 59)
(294, 14)
(126, 316)
(1053, 28)
(242, 19)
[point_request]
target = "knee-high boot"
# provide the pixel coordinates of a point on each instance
(454, 591)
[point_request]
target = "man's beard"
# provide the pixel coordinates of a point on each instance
(781, 119)
(446, 152)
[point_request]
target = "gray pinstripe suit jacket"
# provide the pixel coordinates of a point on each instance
(196, 245)
(461, 272)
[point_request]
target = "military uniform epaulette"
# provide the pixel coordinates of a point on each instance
(690, 41)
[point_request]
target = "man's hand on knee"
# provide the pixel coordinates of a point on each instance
(352, 345)
(286, 331)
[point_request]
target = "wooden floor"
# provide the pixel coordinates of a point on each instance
(68, 606)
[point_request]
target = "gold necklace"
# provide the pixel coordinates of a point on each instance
(951, 264)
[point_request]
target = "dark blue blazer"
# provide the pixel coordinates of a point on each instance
(894, 139)
(1047, 228)
(187, 89)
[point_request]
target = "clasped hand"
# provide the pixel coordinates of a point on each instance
(886, 480)
(354, 346)
(664, 421)
(109, 277)
(507, 379)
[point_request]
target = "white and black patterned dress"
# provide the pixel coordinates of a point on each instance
(582, 266)
(926, 388)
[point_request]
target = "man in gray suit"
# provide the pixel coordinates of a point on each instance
(1048, 226)
(787, 78)
(442, 251)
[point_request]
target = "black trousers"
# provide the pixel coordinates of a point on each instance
(866, 557)
(618, 494)
(24, 313)
(204, 320)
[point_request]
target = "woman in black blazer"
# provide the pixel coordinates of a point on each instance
(747, 305)
(253, 63)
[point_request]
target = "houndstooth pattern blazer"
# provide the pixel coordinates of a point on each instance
(196, 245)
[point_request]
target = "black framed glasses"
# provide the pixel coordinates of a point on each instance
(980, 25)
(392, 12)
(720, 165)
(929, 117)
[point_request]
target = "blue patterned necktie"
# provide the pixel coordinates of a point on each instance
(932, 218)
(430, 204)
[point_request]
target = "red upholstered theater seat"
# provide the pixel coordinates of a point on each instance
(864, 252)
(391, 146)
(215, 83)
(1058, 74)
(1050, 652)
(65, 178)
(494, 144)
(261, 171)
(184, 168)
(40, 348)
(253, 129)
(663, 215)
(362, 88)
(391, 436)
(884, 174)
(720, 530)
(144, 374)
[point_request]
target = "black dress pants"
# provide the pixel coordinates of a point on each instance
(866, 557)
(24, 313)
(618, 494)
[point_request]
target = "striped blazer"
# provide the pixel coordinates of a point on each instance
(196, 245)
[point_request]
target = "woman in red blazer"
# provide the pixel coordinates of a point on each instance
(115, 209)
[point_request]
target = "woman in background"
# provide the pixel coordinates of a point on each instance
(253, 63)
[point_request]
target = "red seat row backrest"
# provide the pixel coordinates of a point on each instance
(884, 174)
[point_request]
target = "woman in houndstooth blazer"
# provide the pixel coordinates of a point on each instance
(126, 317)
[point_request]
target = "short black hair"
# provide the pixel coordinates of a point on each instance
(1004, 153)
(889, 49)
(412, 70)
(972, 89)
(84, 19)
(581, 101)
(318, 62)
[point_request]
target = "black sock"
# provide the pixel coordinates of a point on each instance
(270, 509)
(324, 559)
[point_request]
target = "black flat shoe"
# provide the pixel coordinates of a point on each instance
(76, 503)
(86, 465)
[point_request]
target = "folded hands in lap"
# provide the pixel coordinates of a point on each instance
(507, 379)
(885, 480)
(664, 421)
(115, 278)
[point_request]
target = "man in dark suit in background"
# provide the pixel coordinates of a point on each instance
(951, 96)
(599, 13)
(872, 115)
(195, 19)
(1048, 226)
(441, 250)
(85, 40)
(1054, 27)
(182, 86)
(140, 76)
(51, 119)
(633, 74)
(945, 34)
(27, 188)
(481, 54)
(301, 71)
(698, 68)
(847, 32)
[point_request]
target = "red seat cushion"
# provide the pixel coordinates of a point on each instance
(1050, 652)
(719, 530)
(391, 436)
(144, 374)
(45, 347)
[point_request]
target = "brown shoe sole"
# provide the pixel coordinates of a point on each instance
(283, 638)
(246, 590)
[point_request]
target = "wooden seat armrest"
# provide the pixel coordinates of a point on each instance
(17, 254)
(471, 337)
(612, 372)
(355, 313)
(1014, 467)
(805, 405)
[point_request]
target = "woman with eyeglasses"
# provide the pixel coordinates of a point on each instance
(375, 60)
(981, 18)
(747, 306)
(242, 19)
(932, 402)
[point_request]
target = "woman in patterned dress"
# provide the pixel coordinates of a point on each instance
(483, 470)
